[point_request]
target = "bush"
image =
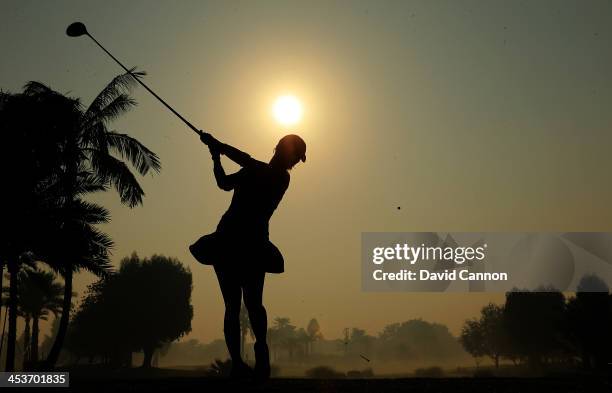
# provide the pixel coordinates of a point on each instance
(366, 373)
(483, 373)
(323, 372)
(429, 372)
(219, 368)
(274, 370)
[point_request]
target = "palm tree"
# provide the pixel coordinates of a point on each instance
(13, 313)
(27, 335)
(314, 333)
(96, 148)
(245, 328)
(281, 323)
(77, 245)
(38, 295)
(1, 303)
(284, 334)
(26, 160)
(35, 133)
(81, 155)
(303, 341)
(91, 144)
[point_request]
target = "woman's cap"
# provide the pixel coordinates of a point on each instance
(294, 144)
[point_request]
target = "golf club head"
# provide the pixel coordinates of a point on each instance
(76, 29)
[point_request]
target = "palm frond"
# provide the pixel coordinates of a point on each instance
(118, 106)
(89, 212)
(131, 149)
(66, 186)
(89, 184)
(93, 135)
(97, 259)
(120, 84)
(35, 88)
(117, 173)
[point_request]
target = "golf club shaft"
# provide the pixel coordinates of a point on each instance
(147, 87)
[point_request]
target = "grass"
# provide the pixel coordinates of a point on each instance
(166, 380)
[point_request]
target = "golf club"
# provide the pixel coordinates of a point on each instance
(78, 29)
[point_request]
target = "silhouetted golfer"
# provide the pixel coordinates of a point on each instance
(240, 249)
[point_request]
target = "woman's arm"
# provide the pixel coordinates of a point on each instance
(225, 182)
(239, 157)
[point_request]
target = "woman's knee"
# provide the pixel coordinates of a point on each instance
(253, 302)
(257, 311)
(232, 313)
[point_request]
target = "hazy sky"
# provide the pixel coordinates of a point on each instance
(470, 115)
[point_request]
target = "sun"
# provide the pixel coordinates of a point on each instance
(287, 110)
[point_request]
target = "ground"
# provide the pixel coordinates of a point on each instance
(377, 385)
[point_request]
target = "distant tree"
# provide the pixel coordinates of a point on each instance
(389, 332)
(589, 319)
(39, 295)
(473, 339)
(272, 344)
(360, 342)
(154, 297)
(534, 322)
(282, 323)
(494, 331)
(95, 330)
(313, 330)
(245, 328)
(47, 341)
(324, 372)
(302, 341)
(193, 352)
(283, 333)
(418, 339)
(146, 304)
(161, 351)
(487, 335)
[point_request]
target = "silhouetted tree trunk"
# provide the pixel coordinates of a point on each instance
(34, 345)
(148, 356)
(1, 319)
(1, 277)
(26, 342)
(586, 358)
(496, 361)
(65, 318)
(534, 361)
(12, 310)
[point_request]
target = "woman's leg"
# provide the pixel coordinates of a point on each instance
(253, 300)
(232, 296)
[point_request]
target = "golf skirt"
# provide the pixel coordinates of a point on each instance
(227, 252)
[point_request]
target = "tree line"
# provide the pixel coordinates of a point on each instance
(544, 327)
(414, 340)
